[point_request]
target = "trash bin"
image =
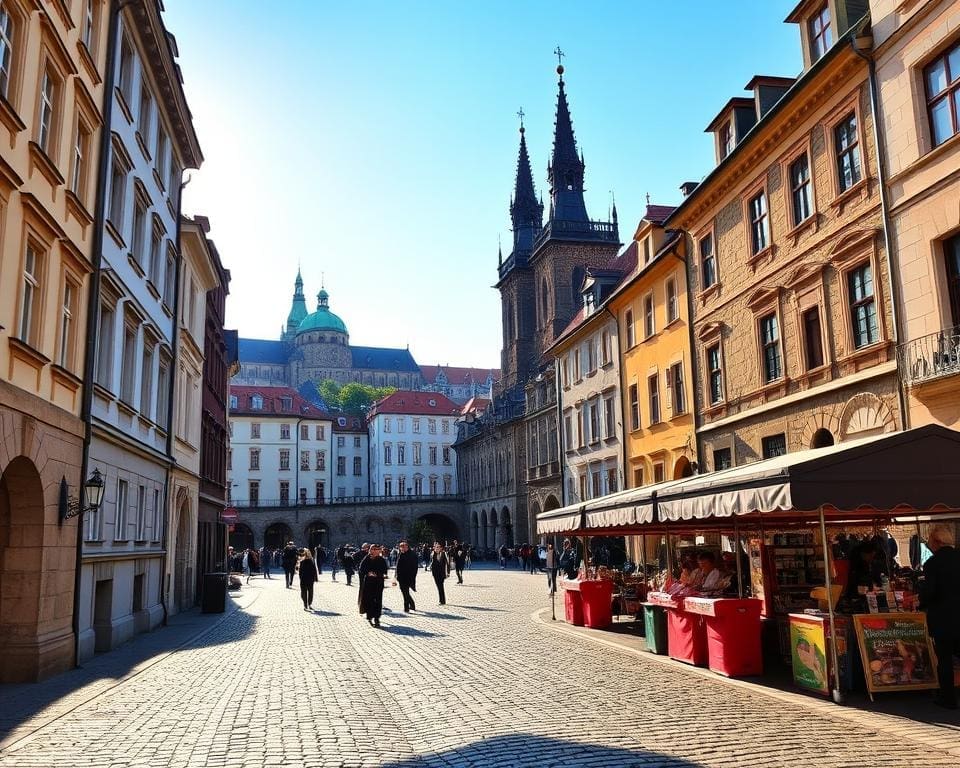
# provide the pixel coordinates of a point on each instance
(655, 624)
(214, 598)
(733, 634)
(573, 606)
(597, 597)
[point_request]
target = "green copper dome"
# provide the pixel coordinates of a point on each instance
(323, 319)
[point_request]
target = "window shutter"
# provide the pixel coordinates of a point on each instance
(669, 375)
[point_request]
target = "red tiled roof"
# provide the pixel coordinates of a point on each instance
(349, 423)
(458, 376)
(272, 405)
(659, 213)
(406, 402)
(475, 405)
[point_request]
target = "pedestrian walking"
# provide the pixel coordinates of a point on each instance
(940, 598)
(308, 577)
(334, 564)
(504, 552)
(440, 568)
(266, 558)
(358, 558)
(373, 571)
(320, 557)
(406, 575)
(550, 563)
(289, 560)
(349, 566)
(568, 560)
(459, 556)
(247, 563)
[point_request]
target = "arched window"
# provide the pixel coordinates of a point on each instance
(544, 302)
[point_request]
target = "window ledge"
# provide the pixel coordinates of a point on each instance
(675, 321)
(66, 377)
(141, 142)
(706, 293)
(857, 190)
(124, 107)
(115, 235)
(716, 410)
(137, 267)
(591, 374)
(678, 416)
(607, 365)
(867, 351)
(9, 117)
(159, 181)
(126, 408)
(77, 209)
(814, 373)
(812, 221)
(651, 337)
(762, 255)
(153, 290)
(772, 390)
(947, 146)
(26, 352)
(89, 64)
(40, 160)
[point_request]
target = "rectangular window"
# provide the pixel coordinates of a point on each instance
(658, 473)
(708, 262)
(591, 357)
(155, 521)
(433, 486)
(863, 308)
(6, 51)
(303, 496)
(163, 391)
(357, 466)
(821, 37)
(341, 441)
(321, 432)
(169, 289)
(951, 255)
(29, 330)
(284, 431)
(304, 431)
(387, 454)
(812, 338)
(255, 431)
(68, 311)
(609, 418)
(284, 459)
(568, 430)
(254, 493)
(774, 445)
(594, 422)
(715, 374)
(284, 492)
(341, 466)
(942, 79)
(759, 231)
(255, 458)
(649, 326)
(319, 491)
(105, 346)
(583, 487)
(677, 389)
(89, 24)
(673, 306)
(770, 341)
(305, 460)
(605, 347)
(146, 112)
(118, 193)
(432, 426)
(802, 202)
(417, 451)
(81, 147)
(321, 460)
(388, 486)
(139, 232)
(446, 454)
(847, 148)
(126, 71)
(229, 458)
(726, 140)
(146, 382)
(141, 534)
(128, 366)
(577, 375)
(634, 408)
(611, 480)
(120, 521)
(653, 388)
(386, 425)
(445, 427)
(416, 426)
(418, 486)
(721, 459)
(595, 488)
(637, 477)
(45, 122)
(628, 324)
(156, 258)
(432, 454)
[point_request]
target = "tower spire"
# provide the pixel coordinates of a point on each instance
(565, 170)
(526, 214)
(298, 309)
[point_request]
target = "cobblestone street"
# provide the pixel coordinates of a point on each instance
(478, 682)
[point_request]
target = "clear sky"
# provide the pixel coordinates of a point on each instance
(375, 143)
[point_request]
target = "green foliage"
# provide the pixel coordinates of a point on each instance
(352, 397)
(420, 533)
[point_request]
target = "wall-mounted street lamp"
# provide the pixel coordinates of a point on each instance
(92, 497)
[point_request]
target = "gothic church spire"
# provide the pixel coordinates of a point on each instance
(566, 167)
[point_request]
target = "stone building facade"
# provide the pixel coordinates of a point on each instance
(788, 269)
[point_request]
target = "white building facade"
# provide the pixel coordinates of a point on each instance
(280, 449)
(153, 140)
(411, 437)
(351, 458)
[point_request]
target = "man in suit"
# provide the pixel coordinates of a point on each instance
(289, 559)
(407, 567)
(459, 555)
(940, 598)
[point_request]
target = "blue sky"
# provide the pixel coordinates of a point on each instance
(375, 143)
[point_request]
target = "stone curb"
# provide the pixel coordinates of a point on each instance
(944, 739)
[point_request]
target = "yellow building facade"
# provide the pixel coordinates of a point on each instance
(52, 59)
(654, 333)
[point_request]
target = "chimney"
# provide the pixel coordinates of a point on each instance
(687, 187)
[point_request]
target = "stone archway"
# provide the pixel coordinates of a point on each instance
(21, 551)
(277, 535)
(822, 438)
(495, 541)
(682, 468)
(317, 534)
(444, 529)
(241, 537)
(474, 529)
(506, 526)
(373, 529)
(183, 556)
(484, 541)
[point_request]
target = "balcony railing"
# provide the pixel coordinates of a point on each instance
(294, 503)
(577, 230)
(930, 357)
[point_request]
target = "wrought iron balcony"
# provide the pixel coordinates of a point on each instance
(930, 357)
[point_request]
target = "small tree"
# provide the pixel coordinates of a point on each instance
(420, 533)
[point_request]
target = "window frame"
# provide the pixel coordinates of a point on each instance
(649, 305)
(853, 305)
(37, 282)
(762, 347)
(630, 328)
(633, 392)
(707, 234)
(822, 37)
(671, 303)
(950, 93)
(653, 399)
(712, 372)
(758, 192)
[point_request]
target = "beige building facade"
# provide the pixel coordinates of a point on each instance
(51, 87)
(917, 56)
(792, 314)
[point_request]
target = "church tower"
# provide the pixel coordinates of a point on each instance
(298, 311)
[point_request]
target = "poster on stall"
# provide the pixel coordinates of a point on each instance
(808, 647)
(897, 652)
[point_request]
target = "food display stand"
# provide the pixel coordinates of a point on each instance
(732, 633)
(686, 632)
(597, 596)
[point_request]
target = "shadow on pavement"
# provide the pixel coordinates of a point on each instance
(448, 616)
(477, 608)
(408, 631)
(526, 749)
(22, 702)
(320, 612)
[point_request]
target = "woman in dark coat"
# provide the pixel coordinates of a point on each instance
(440, 568)
(308, 577)
(374, 571)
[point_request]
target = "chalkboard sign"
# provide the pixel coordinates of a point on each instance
(897, 652)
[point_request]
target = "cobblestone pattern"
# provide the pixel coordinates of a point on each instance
(473, 683)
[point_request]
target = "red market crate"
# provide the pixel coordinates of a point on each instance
(686, 637)
(597, 597)
(573, 607)
(733, 634)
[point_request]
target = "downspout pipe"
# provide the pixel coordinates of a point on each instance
(93, 305)
(558, 387)
(175, 344)
(859, 49)
(697, 417)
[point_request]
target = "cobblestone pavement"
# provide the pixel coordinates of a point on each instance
(477, 682)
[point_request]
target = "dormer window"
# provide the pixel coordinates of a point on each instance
(821, 37)
(256, 403)
(726, 139)
(233, 401)
(589, 303)
(286, 403)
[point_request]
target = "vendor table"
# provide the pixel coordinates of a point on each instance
(686, 632)
(732, 633)
(572, 602)
(597, 595)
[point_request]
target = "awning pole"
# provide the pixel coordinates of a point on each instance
(837, 694)
(643, 560)
(736, 556)
(586, 557)
(669, 558)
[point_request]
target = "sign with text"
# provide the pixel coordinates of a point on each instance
(897, 652)
(808, 651)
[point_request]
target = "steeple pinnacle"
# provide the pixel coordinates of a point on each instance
(566, 167)
(298, 309)
(526, 214)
